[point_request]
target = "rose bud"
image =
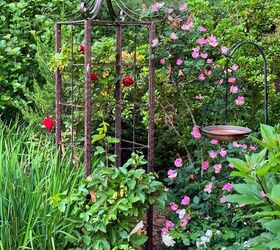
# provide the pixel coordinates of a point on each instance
(127, 81)
(94, 77)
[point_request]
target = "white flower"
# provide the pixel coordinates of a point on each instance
(218, 232)
(209, 233)
(181, 213)
(199, 243)
(168, 240)
(204, 239)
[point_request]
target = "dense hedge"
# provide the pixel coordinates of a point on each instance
(21, 22)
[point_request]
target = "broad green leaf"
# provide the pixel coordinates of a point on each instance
(137, 240)
(239, 164)
(268, 213)
(131, 184)
(273, 226)
(243, 199)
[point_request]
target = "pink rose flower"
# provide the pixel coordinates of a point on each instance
(172, 174)
(173, 206)
(233, 89)
(162, 61)
(224, 49)
(170, 18)
(223, 199)
(204, 55)
(183, 7)
(236, 144)
(187, 26)
(164, 230)
(234, 67)
(196, 49)
(169, 10)
(185, 220)
(178, 162)
(212, 40)
(173, 36)
(205, 165)
(179, 61)
(244, 146)
(253, 148)
(195, 55)
(228, 187)
(181, 73)
(208, 188)
(223, 152)
(169, 224)
(232, 80)
(212, 154)
(209, 60)
(220, 81)
(155, 42)
(240, 100)
(195, 132)
(185, 200)
(201, 77)
(214, 141)
(156, 6)
(169, 70)
(199, 97)
(201, 29)
(208, 72)
(217, 168)
(201, 41)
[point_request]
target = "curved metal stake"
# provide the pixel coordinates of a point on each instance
(229, 56)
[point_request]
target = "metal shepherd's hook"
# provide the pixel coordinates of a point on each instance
(229, 57)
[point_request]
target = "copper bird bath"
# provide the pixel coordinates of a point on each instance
(230, 132)
(226, 132)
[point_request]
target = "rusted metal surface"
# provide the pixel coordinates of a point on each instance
(87, 102)
(118, 97)
(58, 94)
(151, 129)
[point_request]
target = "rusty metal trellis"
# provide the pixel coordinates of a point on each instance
(87, 19)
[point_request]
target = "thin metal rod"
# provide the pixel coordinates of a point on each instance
(136, 143)
(118, 108)
(58, 91)
(260, 49)
(105, 22)
(151, 132)
(87, 122)
(134, 87)
(72, 95)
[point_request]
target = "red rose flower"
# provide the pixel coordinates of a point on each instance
(127, 81)
(82, 48)
(94, 77)
(49, 123)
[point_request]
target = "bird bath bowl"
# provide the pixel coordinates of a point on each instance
(226, 132)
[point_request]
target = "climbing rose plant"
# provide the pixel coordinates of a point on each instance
(190, 73)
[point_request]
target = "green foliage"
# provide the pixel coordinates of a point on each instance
(106, 207)
(19, 22)
(31, 177)
(261, 188)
